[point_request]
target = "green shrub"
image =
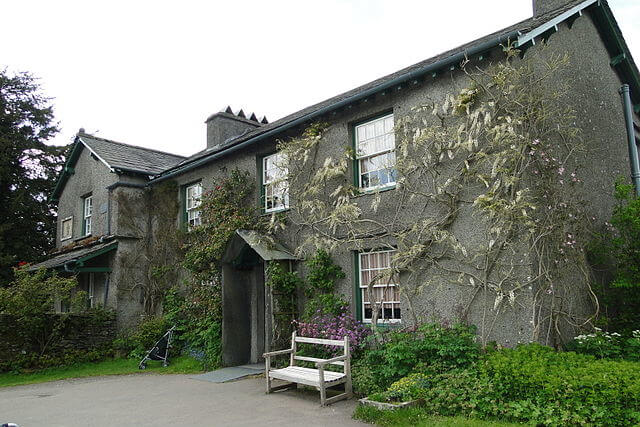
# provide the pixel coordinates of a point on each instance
(365, 379)
(460, 391)
(611, 345)
(408, 388)
(432, 349)
(197, 318)
(616, 253)
(534, 384)
(541, 385)
(137, 342)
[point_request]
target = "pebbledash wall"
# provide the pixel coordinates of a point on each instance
(594, 94)
(92, 177)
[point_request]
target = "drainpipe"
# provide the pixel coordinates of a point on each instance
(631, 137)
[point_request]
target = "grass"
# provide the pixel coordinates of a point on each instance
(420, 418)
(178, 365)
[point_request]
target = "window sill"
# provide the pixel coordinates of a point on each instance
(368, 191)
(82, 237)
(264, 213)
(386, 325)
(65, 239)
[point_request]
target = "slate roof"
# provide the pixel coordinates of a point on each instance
(73, 255)
(130, 158)
(522, 26)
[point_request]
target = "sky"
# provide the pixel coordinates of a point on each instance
(149, 73)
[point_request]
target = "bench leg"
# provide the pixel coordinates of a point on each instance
(336, 398)
(267, 368)
(323, 388)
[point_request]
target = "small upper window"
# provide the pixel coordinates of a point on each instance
(274, 182)
(375, 145)
(375, 270)
(192, 205)
(88, 211)
(67, 228)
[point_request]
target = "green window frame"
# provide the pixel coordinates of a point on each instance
(87, 214)
(367, 264)
(374, 160)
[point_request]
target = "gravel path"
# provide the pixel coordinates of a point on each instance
(165, 400)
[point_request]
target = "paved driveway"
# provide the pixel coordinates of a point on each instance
(165, 400)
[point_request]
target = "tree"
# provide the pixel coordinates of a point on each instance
(28, 171)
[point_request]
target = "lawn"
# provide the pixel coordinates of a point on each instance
(420, 418)
(178, 365)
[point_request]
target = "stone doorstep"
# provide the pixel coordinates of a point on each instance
(233, 373)
(388, 406)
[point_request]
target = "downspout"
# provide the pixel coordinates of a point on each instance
(631, 137)
(109, 189)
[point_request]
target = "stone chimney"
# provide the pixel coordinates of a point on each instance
(540, 7)
(223, 127)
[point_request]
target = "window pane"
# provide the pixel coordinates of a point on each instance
(364, 261)
(388, 124)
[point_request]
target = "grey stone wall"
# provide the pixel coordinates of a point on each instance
(79, 332)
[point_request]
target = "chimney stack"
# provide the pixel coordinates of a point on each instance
(223, 127)
(540, 7)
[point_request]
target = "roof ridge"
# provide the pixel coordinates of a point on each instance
(131, 145)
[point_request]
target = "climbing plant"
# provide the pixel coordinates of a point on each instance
(320, 288)
(197, 309)
(150, 268)
(485, 197)
(224, 209)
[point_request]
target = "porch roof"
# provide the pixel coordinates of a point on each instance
(265, 246)
(74, 259)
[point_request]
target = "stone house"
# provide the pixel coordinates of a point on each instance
(98, 170)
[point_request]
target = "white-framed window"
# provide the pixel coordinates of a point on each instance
(87, 212)
(67, 228)
(193, 194)
(274, 182)
(374, 267)
(375, 144)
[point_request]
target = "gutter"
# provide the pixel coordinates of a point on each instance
(451, 60)
(625, 93)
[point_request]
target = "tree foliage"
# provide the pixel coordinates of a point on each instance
(30, 298)
(28, 171)
(615, 252)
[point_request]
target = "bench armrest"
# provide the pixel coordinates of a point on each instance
(277, 353)
(335, 359)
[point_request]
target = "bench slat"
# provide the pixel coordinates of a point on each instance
(307, 376)
(320, 341)
(315, 359)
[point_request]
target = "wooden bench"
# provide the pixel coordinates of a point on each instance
(319, 378)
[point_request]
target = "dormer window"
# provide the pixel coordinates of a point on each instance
(88, 211)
